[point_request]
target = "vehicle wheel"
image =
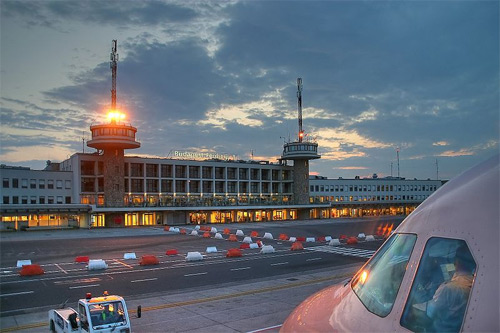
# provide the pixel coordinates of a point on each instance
(52, 327)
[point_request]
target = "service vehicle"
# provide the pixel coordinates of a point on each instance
(107, 313)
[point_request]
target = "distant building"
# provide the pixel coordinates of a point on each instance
(369, 196)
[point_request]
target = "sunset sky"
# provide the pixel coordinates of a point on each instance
(220, 76)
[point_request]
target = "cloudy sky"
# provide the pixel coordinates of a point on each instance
(220, 76)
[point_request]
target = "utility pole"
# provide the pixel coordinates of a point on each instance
(113, 65)
(437, 169)
(397, 152)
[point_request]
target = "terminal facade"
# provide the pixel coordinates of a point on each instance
(158, 191)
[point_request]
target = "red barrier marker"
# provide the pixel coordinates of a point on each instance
(234, 253)
(82, 259)
(283, 237)
(28, 270)
(352, 240)
(297, 246)
(148, 260)
(172, 252)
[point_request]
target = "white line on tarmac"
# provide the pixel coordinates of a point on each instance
(195, 274)
(143, 280)
(266, 329)
(20, 293)
(61, 269)
(240, 269)
(280, 263)
(85, 286)
(313, 259)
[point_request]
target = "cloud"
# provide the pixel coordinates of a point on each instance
(351, 168)
(422, 76)
(441, 143)
(490, 145)
(111, 12)
(36, 152)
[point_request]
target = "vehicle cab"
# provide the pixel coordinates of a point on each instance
(103, 314)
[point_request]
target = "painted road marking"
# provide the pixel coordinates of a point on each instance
(19, 293)
(61, 269)
(195, 274)
(313, 259)
(85, 286)
(280, 263)
(143, 280)
(124, 264)
(345, 251)
(78, 281)
(240, 269)
(270, 328)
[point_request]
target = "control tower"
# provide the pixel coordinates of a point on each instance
(300, 151)
(111, 140)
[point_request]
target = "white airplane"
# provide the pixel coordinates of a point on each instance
(438, 271)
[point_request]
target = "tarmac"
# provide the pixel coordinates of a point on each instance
(240, 306)
(259, 305)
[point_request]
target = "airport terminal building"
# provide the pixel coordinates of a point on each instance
(108, 189)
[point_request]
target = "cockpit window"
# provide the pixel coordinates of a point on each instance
(377, 283)
(440, 291)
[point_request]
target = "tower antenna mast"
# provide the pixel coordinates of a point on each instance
(113, 65)
(299, 107)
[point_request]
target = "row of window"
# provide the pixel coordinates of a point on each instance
(113, 131)
(182, 186)
(87, 168)
(371, 188)
(207, 172)
(35, 183)
(369, 198)
(301, 147)
(33, 200)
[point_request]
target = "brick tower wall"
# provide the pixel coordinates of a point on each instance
(301, 182)
(114, 184)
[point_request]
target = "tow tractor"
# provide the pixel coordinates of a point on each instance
(107, 313)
